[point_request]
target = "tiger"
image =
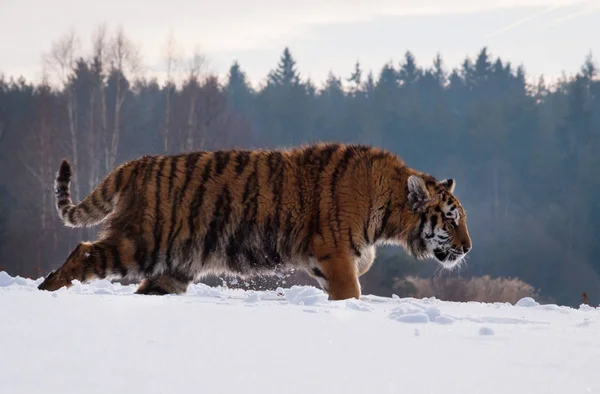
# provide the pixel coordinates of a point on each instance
(320, 208)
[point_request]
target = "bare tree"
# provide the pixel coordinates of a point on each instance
(172, 53)
(124, 57)
(97, 105)
(61, 60)
(195, 67)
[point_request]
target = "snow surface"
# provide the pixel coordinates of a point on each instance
(102, 338)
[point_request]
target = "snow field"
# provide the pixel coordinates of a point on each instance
(102, 338)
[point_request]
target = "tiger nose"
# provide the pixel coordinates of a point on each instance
(466, 248)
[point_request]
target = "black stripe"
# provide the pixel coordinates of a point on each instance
(198, 198)
(274, 161)
(98, 204)
(235, 245)
(250, 196)
(423, 219)
(221, 215)
(171, 240)
(141, 252)
(318, 273)
(352, 244)
(288, 240)
(144, 168)
(117, 264)
(304, 245)
(221, 160)
(385, 219)
(270, 242)
(85, 208)
(300, 167)
(338, 173)
(242, 160)
(104, 191)
(433, 220)
(379, 156)
(118, 179)
(62, 191)
(191, 162)
(172, 172)
(103, 262)
(326, 156)
(274, 224)
(251, 257)
(71, 215)
(157, 218)
(149, 163)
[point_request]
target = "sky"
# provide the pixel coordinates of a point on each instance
(548, 37)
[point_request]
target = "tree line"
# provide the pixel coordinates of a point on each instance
(523, 153)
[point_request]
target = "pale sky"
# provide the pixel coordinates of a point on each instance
(547, 36)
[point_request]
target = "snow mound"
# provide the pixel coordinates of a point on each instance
(486, 331)
(7, 280)
(413, 312)
(218, 339)
(527, 302)
(305, 295)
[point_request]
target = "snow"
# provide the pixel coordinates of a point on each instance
(102, 338)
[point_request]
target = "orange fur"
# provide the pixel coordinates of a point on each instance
(322, 208)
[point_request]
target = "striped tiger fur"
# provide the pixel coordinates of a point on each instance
(322, 208)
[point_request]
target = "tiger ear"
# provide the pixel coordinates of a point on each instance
(448, 184)
(418, 195)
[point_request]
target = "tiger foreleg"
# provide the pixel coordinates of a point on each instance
(337, 274)
(90, 261)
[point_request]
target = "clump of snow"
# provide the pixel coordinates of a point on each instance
(527, 302)
(586, 322)
(486, 331)
(433, 313)
(444, 320)
(415, 312)
(357, 305)
(203, 290)
(410, 318)
(253, 297)
(5, 279)
(305, 295)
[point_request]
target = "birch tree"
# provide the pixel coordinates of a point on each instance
(60, 61)
(124, 57)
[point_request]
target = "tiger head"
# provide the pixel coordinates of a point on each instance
(441, 227)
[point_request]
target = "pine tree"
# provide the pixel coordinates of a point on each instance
(409, 72)
(285, 74)
(237, 90)
(355, 78)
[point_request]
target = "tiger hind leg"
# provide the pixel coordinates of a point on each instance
(162, 285)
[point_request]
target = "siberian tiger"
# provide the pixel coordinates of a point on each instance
(322, 208)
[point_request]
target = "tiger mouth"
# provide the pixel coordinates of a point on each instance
(446, 256)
